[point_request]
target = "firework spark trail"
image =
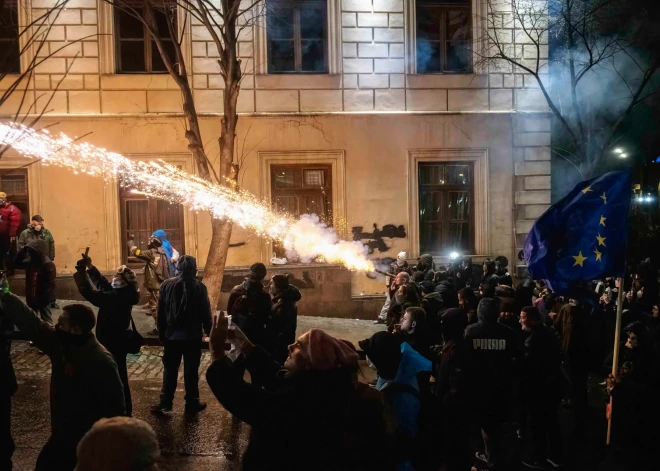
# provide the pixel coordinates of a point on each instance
(307, 238)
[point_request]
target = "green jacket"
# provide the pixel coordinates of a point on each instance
(30, 234)
(84, 384)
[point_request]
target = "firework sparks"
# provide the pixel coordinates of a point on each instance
(307, 238)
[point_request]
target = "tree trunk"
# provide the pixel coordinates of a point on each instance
(217, 258)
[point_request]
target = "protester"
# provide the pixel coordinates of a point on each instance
(156, 270)
(541, 389)
(85, 385)
(404, 297)
(283, 320)
(467, 303)
(398, 366)
(400, 265)
(184, 311)
(445, 286)
(433, 306)
(491, 348)
(39, 277)
(314, 414)
(119, 444)
(414, 331)
(508, 315)
(424, 270)
(8, 388)
(10, 221)
(486, 290)
(171, 252)
(489, 276)
(115, 301)
(400, 279)
(36, 230)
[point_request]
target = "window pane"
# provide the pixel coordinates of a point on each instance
(169, 217)
(315, 204)
(458, 56)
(430, 238)
(458, 44)
(8, 23)
(13, 184)
(281, 56)
(314, 178)
(431, 175)
(428, 24)
(10, 57)
(430, 206)
(161, 22)
(280, 23)
(459, 205)
(288, 204)
(459, 237)
(458, 174)
(313, 56)
(312, 23)
(132, 56)
(286, 178)
(156, 58)
(130, 27)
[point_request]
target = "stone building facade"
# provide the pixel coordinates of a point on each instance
(368, 138)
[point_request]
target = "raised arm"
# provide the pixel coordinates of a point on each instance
(100, 281)
(40, 332)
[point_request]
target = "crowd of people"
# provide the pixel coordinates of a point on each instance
(460, 357)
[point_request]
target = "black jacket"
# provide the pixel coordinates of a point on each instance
(8, 385)
(249, 305)
(310, 420)
(115, 306)
(541, 363)
(448, 293)
(39, 280)
(184, 310)
(433, 305)
(283, 320)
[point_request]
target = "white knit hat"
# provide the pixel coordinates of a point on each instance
(401, 259)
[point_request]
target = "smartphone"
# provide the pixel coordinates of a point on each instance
(231, 330)
(86, 251)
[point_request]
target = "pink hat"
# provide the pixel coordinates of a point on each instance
(324, 352)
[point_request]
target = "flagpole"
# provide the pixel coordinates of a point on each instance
(615, 356)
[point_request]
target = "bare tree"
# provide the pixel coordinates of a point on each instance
(597, 73)
(224, 20)
(21, 56)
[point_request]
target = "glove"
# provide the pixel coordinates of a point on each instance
(81, 266)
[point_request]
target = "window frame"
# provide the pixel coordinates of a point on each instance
(13, 7)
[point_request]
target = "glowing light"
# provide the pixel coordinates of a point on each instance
(453, 255)
(623, 156)
(307, 239)
(618, 150)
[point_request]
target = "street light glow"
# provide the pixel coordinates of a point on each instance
(623, 156)
(453, 255)
(618, 150)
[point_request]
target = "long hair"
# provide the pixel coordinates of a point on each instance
(565, 323)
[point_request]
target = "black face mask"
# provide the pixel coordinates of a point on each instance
(69, 339)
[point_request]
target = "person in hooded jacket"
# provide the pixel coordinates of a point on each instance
(445, 286)
(283, 320)
(491, 350)
(467, 303)
(398, 366)
(433, 305)
(405, 296)
(36, 230)
(184, 312)
(10, 221)
(312, 413)
(172, 254)
(249, 304)
(39, 277)
(8, 387)
(489, 275)
(424, 270)
(115, 301)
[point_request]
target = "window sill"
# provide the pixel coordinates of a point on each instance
(297, 81)
(446, 81)
(138, 82)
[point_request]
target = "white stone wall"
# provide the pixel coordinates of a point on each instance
(372, 75)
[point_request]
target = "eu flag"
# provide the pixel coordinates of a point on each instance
(583, 236)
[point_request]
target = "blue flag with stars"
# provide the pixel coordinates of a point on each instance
(584, 236)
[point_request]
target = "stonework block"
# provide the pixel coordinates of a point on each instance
(397, 81)
(467, 100)
(245, 49)
(532, 168)
(350, 81)
(372, 19)
(216, 81)
(200, 81)
(200, 33)
(91, 82)
(509, 81)
(68, 82)
(426, 100)
(349, 50)
(86, 102)
(58, 104)
(390, 100)
(356, 5)
(524, 226)
(495, 80)
(534, 211)
(89, 17)
(357, 34)
(90, 48)
(372, 50)
(42, 82)
(51, 66)
(501, 100)
(531, 139)
(533, 197)
(159, 101)
(391, 35)
(374, 81)
(537, 183)
(396, 50)
(66, 49)
(56, 33)
(138, 82)
(388, 5)
(396, 20)
(320, 100)
(205, 66)
(83, 65)
(245, 103)
(358, 66)
(447, 81)
(68, 16)
(537, 153)
(124, 101)
(358, 100)
(208, 101)
(536, 124)
(395, 66)
(79, 32)
(277, 100)
(198, 49)
(349, 19)
(69, 4)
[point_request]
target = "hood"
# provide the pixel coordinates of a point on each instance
(435, 295)
(187, 267)
(428, 260)
(252, 285)
(488, 310)
(291, 293)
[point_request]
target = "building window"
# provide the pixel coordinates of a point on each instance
(446, 220)
(297, 37)
(444, 36)
(10, 62)
(141, 216)
(14, 182)
(301, 189)
(135, 51)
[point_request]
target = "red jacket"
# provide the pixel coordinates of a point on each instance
(10, 220)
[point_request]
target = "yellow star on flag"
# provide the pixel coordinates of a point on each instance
(601, 240)
(587, 190)
(598, 255)
(604, 197)
(579, 259)
(602, 221)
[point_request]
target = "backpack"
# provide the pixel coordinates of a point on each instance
(161, 266)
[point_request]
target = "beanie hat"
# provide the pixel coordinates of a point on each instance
(258, 271)
(155, 242)
(384, 351)
(3, 194)
(128, 274)
(401, 259)
(488, 309)
(280, 281)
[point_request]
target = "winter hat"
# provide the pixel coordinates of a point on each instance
(505, 280)
(258, 271)
(281, 282)
(507, 305)
(488, 309)
(401, 259)
(505, 292)
(384, 351)
(324, 352)
(154, 241)
(127, 274)
(427, 287)
(3, 194)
